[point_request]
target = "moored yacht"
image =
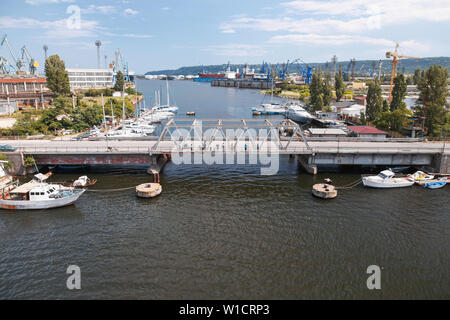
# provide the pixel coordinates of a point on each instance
(270, 109)
(297, 113)
(385, 179)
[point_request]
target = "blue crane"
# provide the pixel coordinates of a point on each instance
(304, 70)
(283, 72)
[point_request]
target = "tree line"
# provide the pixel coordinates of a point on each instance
(64, 114)
(431, 111)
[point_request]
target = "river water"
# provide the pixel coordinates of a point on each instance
(226, 232)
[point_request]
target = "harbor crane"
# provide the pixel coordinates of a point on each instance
(121, 65)
(32, 63)
(283, 72)
(19, 63)
(5, 67)
(395, 57)
(304, 71)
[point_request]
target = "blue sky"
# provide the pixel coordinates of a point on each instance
(159, 34)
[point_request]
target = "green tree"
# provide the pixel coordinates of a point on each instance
(316, 91)
(432, 104)
(326, 90)
(374, 101)
(57, 76)
(385, 106)
(399, 93)
(118, 86)
(339, 85)
(417, 75)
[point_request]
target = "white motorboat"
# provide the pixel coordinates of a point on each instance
(140, 127)
(270, 109)
(37, 195)
(166, 108)
(126, 133)
(164, 115)
(297, 113)
(385, 179)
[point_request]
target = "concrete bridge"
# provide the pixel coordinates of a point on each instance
(210, 136)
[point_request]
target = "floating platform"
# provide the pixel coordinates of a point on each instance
(148, 190)
(324, 191)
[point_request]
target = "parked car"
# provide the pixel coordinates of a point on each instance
(7, 148)
(82, 136)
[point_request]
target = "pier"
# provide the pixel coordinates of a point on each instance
(241, 83)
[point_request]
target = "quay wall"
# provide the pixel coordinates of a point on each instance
(245, 84)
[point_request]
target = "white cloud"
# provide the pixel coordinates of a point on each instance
(312, 39)
(398, 11)
(237, 50)
(131, 12)
(335, 40)
(165, 8)
(98, 9)
(345, 16)
(138, 36)
(53, 29)
(228, 31)
(37, 2)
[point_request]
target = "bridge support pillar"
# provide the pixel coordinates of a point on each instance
(441, 163)
(17, 164)
(159, 161)
(305, 162)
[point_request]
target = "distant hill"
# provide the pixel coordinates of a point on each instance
(362, 66)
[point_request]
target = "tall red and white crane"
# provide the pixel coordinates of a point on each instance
(395, 57)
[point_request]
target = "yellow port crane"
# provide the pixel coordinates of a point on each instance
(396, 56)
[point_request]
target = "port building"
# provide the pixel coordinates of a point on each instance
(17, 90)
(90, 78)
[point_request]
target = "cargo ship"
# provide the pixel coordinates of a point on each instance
(228, 74)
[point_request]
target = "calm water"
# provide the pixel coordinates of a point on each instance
(227, 232)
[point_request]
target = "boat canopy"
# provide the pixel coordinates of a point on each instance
(41, 177)
(25, 188)
(387, 173)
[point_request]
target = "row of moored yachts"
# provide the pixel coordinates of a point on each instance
(293, 111)
(145, 124)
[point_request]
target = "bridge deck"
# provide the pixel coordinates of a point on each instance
(283, 147)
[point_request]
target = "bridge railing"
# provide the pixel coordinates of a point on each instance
(283, 149)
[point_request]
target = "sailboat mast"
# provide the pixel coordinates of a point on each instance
(123, 104)
(112, 114)
(104, 120)
(168, 95)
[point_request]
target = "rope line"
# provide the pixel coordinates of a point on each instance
(350, 185)
(110, 190)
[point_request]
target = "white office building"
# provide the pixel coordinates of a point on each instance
(90, 78)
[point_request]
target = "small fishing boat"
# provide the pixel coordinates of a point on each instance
(385, 179)
(432, 184)
(421, 176)
(37, 195)
(81, 182)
